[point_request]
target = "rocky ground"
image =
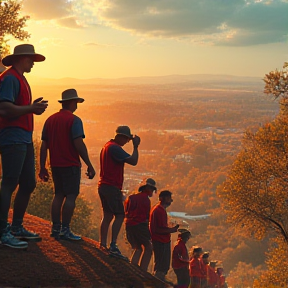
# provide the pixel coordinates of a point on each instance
(52, 263)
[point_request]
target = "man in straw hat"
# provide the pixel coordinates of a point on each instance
(63, 136)
(180, 259)
(112, 160)
(161, 234)
(137, 210)
(16, 147)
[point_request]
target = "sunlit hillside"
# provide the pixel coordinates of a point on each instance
(191, 130)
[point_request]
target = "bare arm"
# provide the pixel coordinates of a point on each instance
(82, 150)
(10, 110)
(133, 159)
(43, 174)
(166, 230)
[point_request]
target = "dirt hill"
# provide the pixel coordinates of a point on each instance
(52, 263)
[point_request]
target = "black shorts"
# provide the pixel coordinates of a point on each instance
(111, 198)
(138, 235)
(66, 180)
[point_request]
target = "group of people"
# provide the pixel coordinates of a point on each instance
(196, 271)
(62, 135)
(147, 229)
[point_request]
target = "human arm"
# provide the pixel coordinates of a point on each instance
(158, 220)
(133, 159)
(82, 151)
(166, 230)
(43, 174)
(181, 254)
(10, 110)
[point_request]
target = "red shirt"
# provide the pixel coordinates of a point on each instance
(112, 170)
(212, 276)
(221, 280)
(158, 218)
(137, 209)
(196, 268)
(57, 132)
(24, 98)
(180, 249)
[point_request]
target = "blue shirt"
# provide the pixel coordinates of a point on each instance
(9, 91)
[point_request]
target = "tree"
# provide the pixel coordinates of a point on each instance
(11, 24)
(255, 193)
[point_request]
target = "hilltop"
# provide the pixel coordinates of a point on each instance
(52, 263)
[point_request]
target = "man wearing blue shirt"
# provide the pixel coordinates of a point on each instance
(16, 146)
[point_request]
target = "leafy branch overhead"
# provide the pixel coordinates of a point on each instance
(276, 82)
(11, 23)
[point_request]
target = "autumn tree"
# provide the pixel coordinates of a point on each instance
(11, 24)
(255, 193)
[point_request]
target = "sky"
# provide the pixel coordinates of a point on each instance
(131, 38)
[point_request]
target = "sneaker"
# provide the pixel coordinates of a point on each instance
(20, 232)
(114, 249)
(55, 233)
(67, 234)
(9, 240)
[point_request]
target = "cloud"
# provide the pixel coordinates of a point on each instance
(70, 22)
(218, 22)
(47, 9)
(221, 22)
(61, 11)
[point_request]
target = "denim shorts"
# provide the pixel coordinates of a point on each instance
(66, 180)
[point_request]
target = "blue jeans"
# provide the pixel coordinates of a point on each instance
(18, 168)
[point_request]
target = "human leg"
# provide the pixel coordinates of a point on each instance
(104, 226)
(12, 159)
(112, 204)
(162, 257)
(183, 278)
(67, 186)
(67, 213)
(116, 226)
(146, 257)
(27, 184)
(136, 256)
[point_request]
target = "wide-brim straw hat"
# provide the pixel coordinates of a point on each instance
(148, 182)
(22, 50)
(70, 94)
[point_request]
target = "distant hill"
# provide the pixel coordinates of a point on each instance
(52, 263)
(156, 80)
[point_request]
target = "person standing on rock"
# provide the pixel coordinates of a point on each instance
(112, 161)
(137, 210)
(16, 145)
(63, 136)
(161, 234)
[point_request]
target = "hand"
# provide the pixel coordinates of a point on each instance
(43, 174)
(39, 106)
(90, 172)
(136, 141)
(175, 228)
